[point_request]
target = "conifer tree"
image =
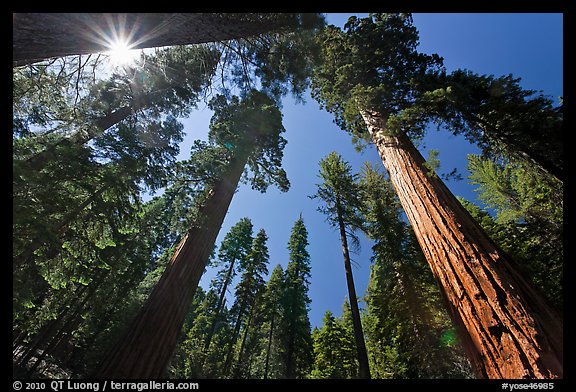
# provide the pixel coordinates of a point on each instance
(334, 350)
(272, 313)
(247, 294)
(294, 328)
(340, 194)
(235, 247)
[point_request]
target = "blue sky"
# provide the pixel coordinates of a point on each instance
(526, 45)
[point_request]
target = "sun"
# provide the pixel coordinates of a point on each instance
(121, 53)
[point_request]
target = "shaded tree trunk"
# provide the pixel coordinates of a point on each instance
(83, 136)
(269, 348)
(235, 334)
(506, 326)
(218, 308)
(147, 346)
(40, 36)
(362, 354)
(238, 370)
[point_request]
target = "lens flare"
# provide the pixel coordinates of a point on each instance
(121, 53)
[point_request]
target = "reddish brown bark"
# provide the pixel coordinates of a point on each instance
(146, 348)
(507, 327)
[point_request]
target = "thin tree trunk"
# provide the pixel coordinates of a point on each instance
(219, 307)
(507, 327)
(363, 366)
(243, 343)
(235, 334)
(146, 348)
(47, 331)
(290, 371)
(40, 36)
(267, 364)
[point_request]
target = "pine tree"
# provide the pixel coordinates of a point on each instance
(234, 247)
(334, 350)
(369, 75)
(340, 194)
(247, 295)
(271, 315)
(528, 222)
(294, 326)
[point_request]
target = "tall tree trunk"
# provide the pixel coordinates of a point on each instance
(235, 334)
(267, 363)
(237, 371)
(507, 327)
(363, 366)
(39, 36)
(218, 308)
(146, 348)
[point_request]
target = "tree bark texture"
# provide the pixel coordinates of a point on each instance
(146, 348)
(40, 36)
(362, 354)
(506, 326)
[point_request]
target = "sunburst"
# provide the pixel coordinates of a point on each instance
(121, 53)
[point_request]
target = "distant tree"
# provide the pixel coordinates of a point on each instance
(340, 194)
(294, 327)
(247, 295)
(235, 247)
(272, 312)
(370, 75)
(334, 350)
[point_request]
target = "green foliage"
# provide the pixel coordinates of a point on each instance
(278, 62)
(496, 114)
(371, 65)
(236, 246)
(528, 222)
(294, 326)
(334, 349)
(339, 192)
(252, 125)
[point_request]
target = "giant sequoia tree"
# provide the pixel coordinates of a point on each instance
(249, 131)
(370, 74)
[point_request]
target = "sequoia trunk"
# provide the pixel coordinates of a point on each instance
(145, 350)
(506, 326)
(39, 36)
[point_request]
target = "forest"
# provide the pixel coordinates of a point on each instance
(122, 268)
